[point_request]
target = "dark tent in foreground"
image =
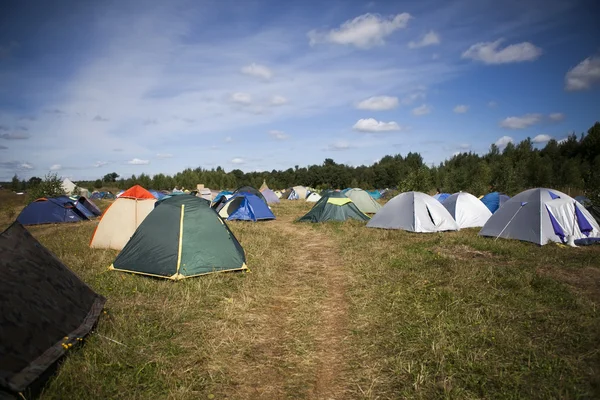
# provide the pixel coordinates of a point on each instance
(42, 302)
(334, 207)
(181, 238)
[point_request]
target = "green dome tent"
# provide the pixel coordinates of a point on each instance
(182, 237)
(334, 207)
(363, 200)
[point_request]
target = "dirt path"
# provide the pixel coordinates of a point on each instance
(296, 332)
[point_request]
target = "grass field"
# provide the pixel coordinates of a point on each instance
(340, 311)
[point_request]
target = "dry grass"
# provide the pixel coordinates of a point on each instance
(341, 311)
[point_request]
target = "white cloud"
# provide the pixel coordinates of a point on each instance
(461, 109)
(237, 161)
(541, 138)
(339, 145)
(421, 110)
(372, 125)
(557, 116)
(464, 146)
(561, 141)
(278, 100)
(378, 103)
(584, 75)
(257, 70)
(503, 141)
(164, 155)
(26, 166)
(411, 98)
(55, 167)
(489, 52)
(228, 139)
(429, 39)
(492, 104)
(523, 122)
(241, 98)
(364, 31)
(99, 164)
(279, 135)
(137, 161)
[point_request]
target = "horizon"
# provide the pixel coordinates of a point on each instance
(89, 89)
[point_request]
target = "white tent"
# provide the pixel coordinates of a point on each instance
(122, 218)
(467, 210)
(414, 212)
(363, 201)
(541, 216)
(313, 197)
(68, 186)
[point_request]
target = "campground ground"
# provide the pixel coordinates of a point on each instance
(339, 311)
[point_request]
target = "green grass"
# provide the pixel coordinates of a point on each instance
(446, 315)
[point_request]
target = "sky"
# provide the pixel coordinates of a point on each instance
(88, 88)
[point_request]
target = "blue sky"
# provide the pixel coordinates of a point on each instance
(88, 88)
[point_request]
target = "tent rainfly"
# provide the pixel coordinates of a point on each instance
(270, 196)
(363, 200)
(245, 207)
(467, 210)
(334, 207)
(313, 197)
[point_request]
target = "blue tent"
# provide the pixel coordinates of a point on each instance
(441, 196)
(84, 206)
(89, 205)
(52, 211)
(376, 194)
(221, 194)
(246, 207)
(493, 201)
(156, 194)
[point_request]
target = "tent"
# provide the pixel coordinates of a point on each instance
(102, 195)
(157, 195)
(251, 190)
(68, 186)
(594, 212)
(270, 196)
(205, 193)
(278, 194)
(54, 210)
(44, 307)
(181, 238)
(414, 212)
(376, 194)
(122, 218)
(493, 201)
(225, 193)
(441, 196)
(467, 210)
(540, 216)
(299, 192)
(264, 186)
(583, 200)
(334, 207)
(363, 201)
(90, 206)
(245, 207)
(313, 197)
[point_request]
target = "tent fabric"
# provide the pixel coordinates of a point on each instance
(90, 206)
(334, 207)
(121, 219)
(313, 197)
(225, 193)
(68, 186)
(467, 210)
(54, 210)
(594, 212)
(363, 201)
(42, 302)
(441, 196)
(157, 195)
(493, 201)
(102, 195)
(246, 207)
(536, 215)
(414, 212)
(278, 194)
(270, 196)
(251, 190)
(376, 194)
(301, 192)
(205, 194)
(183, 237)
(264, 186)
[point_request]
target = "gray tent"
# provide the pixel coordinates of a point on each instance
(467, 210)
(363, 201)
(414, 212)
(541, 216)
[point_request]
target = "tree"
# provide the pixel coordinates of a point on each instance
(112, 177)
(51, 186)
(15, 183)
(33, 181)
(98, 183)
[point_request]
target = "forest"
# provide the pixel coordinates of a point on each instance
(571, 165)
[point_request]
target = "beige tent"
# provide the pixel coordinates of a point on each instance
(122, 218)
(278, 193)
(301, 192)
(263, 186)
(68, 186)
(313, 197)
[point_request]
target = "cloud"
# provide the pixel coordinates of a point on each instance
(378, 103)
(99, 164)
(278, 100)
(503, 141)
(15, 136)
(258, 71)
(557, 116)
(429, 39)
(464, 146)
(523, 122)
(54, 111)
(489, 52)
(561, 141)
(55, 167)
(584, 75)
(541, 138)
(26, 166)
(411, 98)
(492, 104)
(461, 109)
(238, 161)
(241, 98)
(339, 145)
(372, 125)
(421, 110)
(228, 139)
(99, 118)
(162, 156)
(364, 31)
(137, 161)
(3, 147)
(279, 135)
